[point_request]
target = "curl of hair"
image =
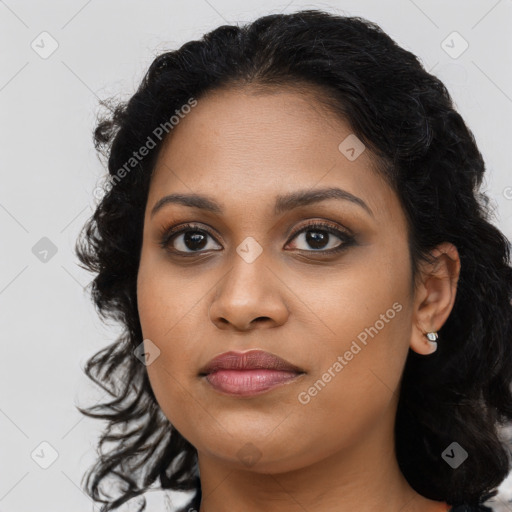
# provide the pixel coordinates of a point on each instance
(405, 116)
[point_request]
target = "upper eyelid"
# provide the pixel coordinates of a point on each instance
(321, 224)
(180, 228)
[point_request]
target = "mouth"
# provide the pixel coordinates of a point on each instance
(248, 373)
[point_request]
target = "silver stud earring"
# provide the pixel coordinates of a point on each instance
(432, 336)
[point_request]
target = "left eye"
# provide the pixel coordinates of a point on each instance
(320, 238)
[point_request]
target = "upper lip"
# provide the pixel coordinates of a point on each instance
(250, 360)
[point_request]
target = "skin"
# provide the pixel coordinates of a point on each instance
(243, 148)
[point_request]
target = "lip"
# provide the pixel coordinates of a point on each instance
(249, 360)
(248, 373)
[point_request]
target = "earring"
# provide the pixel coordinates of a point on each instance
(432, 337)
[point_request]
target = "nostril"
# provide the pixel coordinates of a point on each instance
(261, 319)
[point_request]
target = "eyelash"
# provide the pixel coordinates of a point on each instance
(167, 234)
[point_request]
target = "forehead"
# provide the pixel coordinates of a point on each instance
(243, 144)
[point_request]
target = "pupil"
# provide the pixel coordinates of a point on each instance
(318, 240)
(194, 238)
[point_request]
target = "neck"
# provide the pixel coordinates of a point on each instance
(364, 476)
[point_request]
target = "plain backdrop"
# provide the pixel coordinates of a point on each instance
(48, 106)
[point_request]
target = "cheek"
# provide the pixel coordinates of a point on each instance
(169, 299)
(363, 350)
(365, 300)
(171, 372)
(354, 387)
(169, 318)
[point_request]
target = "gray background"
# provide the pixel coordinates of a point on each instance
(50, 169)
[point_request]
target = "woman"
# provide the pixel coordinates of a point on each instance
(316, 306)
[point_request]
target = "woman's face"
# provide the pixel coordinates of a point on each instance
(250, 275)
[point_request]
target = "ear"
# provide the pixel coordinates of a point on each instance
(434, 296)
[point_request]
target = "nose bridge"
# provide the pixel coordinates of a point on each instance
(248, 290)
(245, 282)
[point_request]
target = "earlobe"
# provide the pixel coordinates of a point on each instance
(424, 343)
(432, 337)
(434, 297)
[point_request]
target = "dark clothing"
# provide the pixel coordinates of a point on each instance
(470, 508)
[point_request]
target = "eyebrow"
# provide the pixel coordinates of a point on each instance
(283, 202)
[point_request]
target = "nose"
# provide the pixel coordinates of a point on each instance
(249, 296)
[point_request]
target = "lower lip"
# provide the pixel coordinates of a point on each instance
(248, 382)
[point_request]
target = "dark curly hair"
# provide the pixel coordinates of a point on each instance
(406, 118)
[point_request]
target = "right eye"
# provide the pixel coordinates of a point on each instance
(189, 239)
